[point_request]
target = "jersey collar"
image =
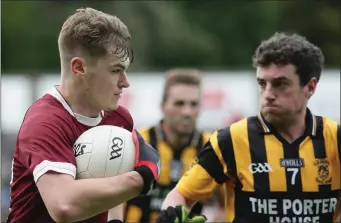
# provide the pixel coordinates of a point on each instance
(267, 128)
(80, 118)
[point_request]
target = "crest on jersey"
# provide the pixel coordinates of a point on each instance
(322, 171)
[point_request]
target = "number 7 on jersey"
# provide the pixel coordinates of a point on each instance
(293, 175)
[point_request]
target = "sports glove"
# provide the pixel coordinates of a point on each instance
(147, 162)
(179, 214)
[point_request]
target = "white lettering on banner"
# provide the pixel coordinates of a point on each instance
(314, 219)
(272, 206)
(297, 209)
(268, 206)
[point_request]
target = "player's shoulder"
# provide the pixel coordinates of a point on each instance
(327, 122)
(205, 135)
(237, 127)
(45, 109)
(327, 126)
(144, 130)
(125, 116)
(45, 117)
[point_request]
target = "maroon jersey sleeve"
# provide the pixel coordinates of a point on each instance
(44, 144)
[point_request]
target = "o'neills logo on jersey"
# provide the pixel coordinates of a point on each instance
(292, 163)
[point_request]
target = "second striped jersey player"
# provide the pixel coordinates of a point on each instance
(280, 166)
(268, 179)
(174, 164)
(176, 138)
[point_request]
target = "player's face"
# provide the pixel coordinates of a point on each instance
(282, 97)
(181, 108)
(105, 82)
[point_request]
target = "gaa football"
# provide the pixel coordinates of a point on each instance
(104, 151)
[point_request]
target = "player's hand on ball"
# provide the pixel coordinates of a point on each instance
(147, 162)
(179, 214)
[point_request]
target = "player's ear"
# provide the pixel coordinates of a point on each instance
(311, 87)
(78, 66)
(163, 102)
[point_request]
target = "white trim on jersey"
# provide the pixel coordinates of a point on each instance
(88, 121)
(58, 167)
(82, 119)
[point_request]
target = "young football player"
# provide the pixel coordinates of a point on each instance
(95, 51)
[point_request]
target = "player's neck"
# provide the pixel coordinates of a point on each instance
(173, 139)
(76, 99)
(294, 128)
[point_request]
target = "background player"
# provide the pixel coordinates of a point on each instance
(95, 51)
(280, 166)
(176, 139)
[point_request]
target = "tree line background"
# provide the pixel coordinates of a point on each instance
(211, 35)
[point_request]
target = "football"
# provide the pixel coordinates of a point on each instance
(104, 151)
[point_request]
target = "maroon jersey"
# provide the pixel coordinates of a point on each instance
(44, 143)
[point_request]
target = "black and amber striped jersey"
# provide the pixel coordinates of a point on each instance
(267, 179)
(174, 163)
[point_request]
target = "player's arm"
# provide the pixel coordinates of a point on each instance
(214, 209)
(220, 215)
(175, 197)
(48, 155)
(70, 200)
(116, 213)
(201, 180)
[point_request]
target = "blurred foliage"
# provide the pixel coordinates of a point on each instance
(204, 34)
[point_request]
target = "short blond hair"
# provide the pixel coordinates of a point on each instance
(93, 34)
(188, 76)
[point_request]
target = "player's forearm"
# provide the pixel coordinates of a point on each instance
(89, 197)
(116, 213)
(175, 198)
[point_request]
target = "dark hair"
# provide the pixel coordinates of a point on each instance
(283, 49)
(177, 76)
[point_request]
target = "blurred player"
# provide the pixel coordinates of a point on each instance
(176, 139)
(95, 51)
(280, 166)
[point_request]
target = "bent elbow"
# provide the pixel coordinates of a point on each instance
(61, 213)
